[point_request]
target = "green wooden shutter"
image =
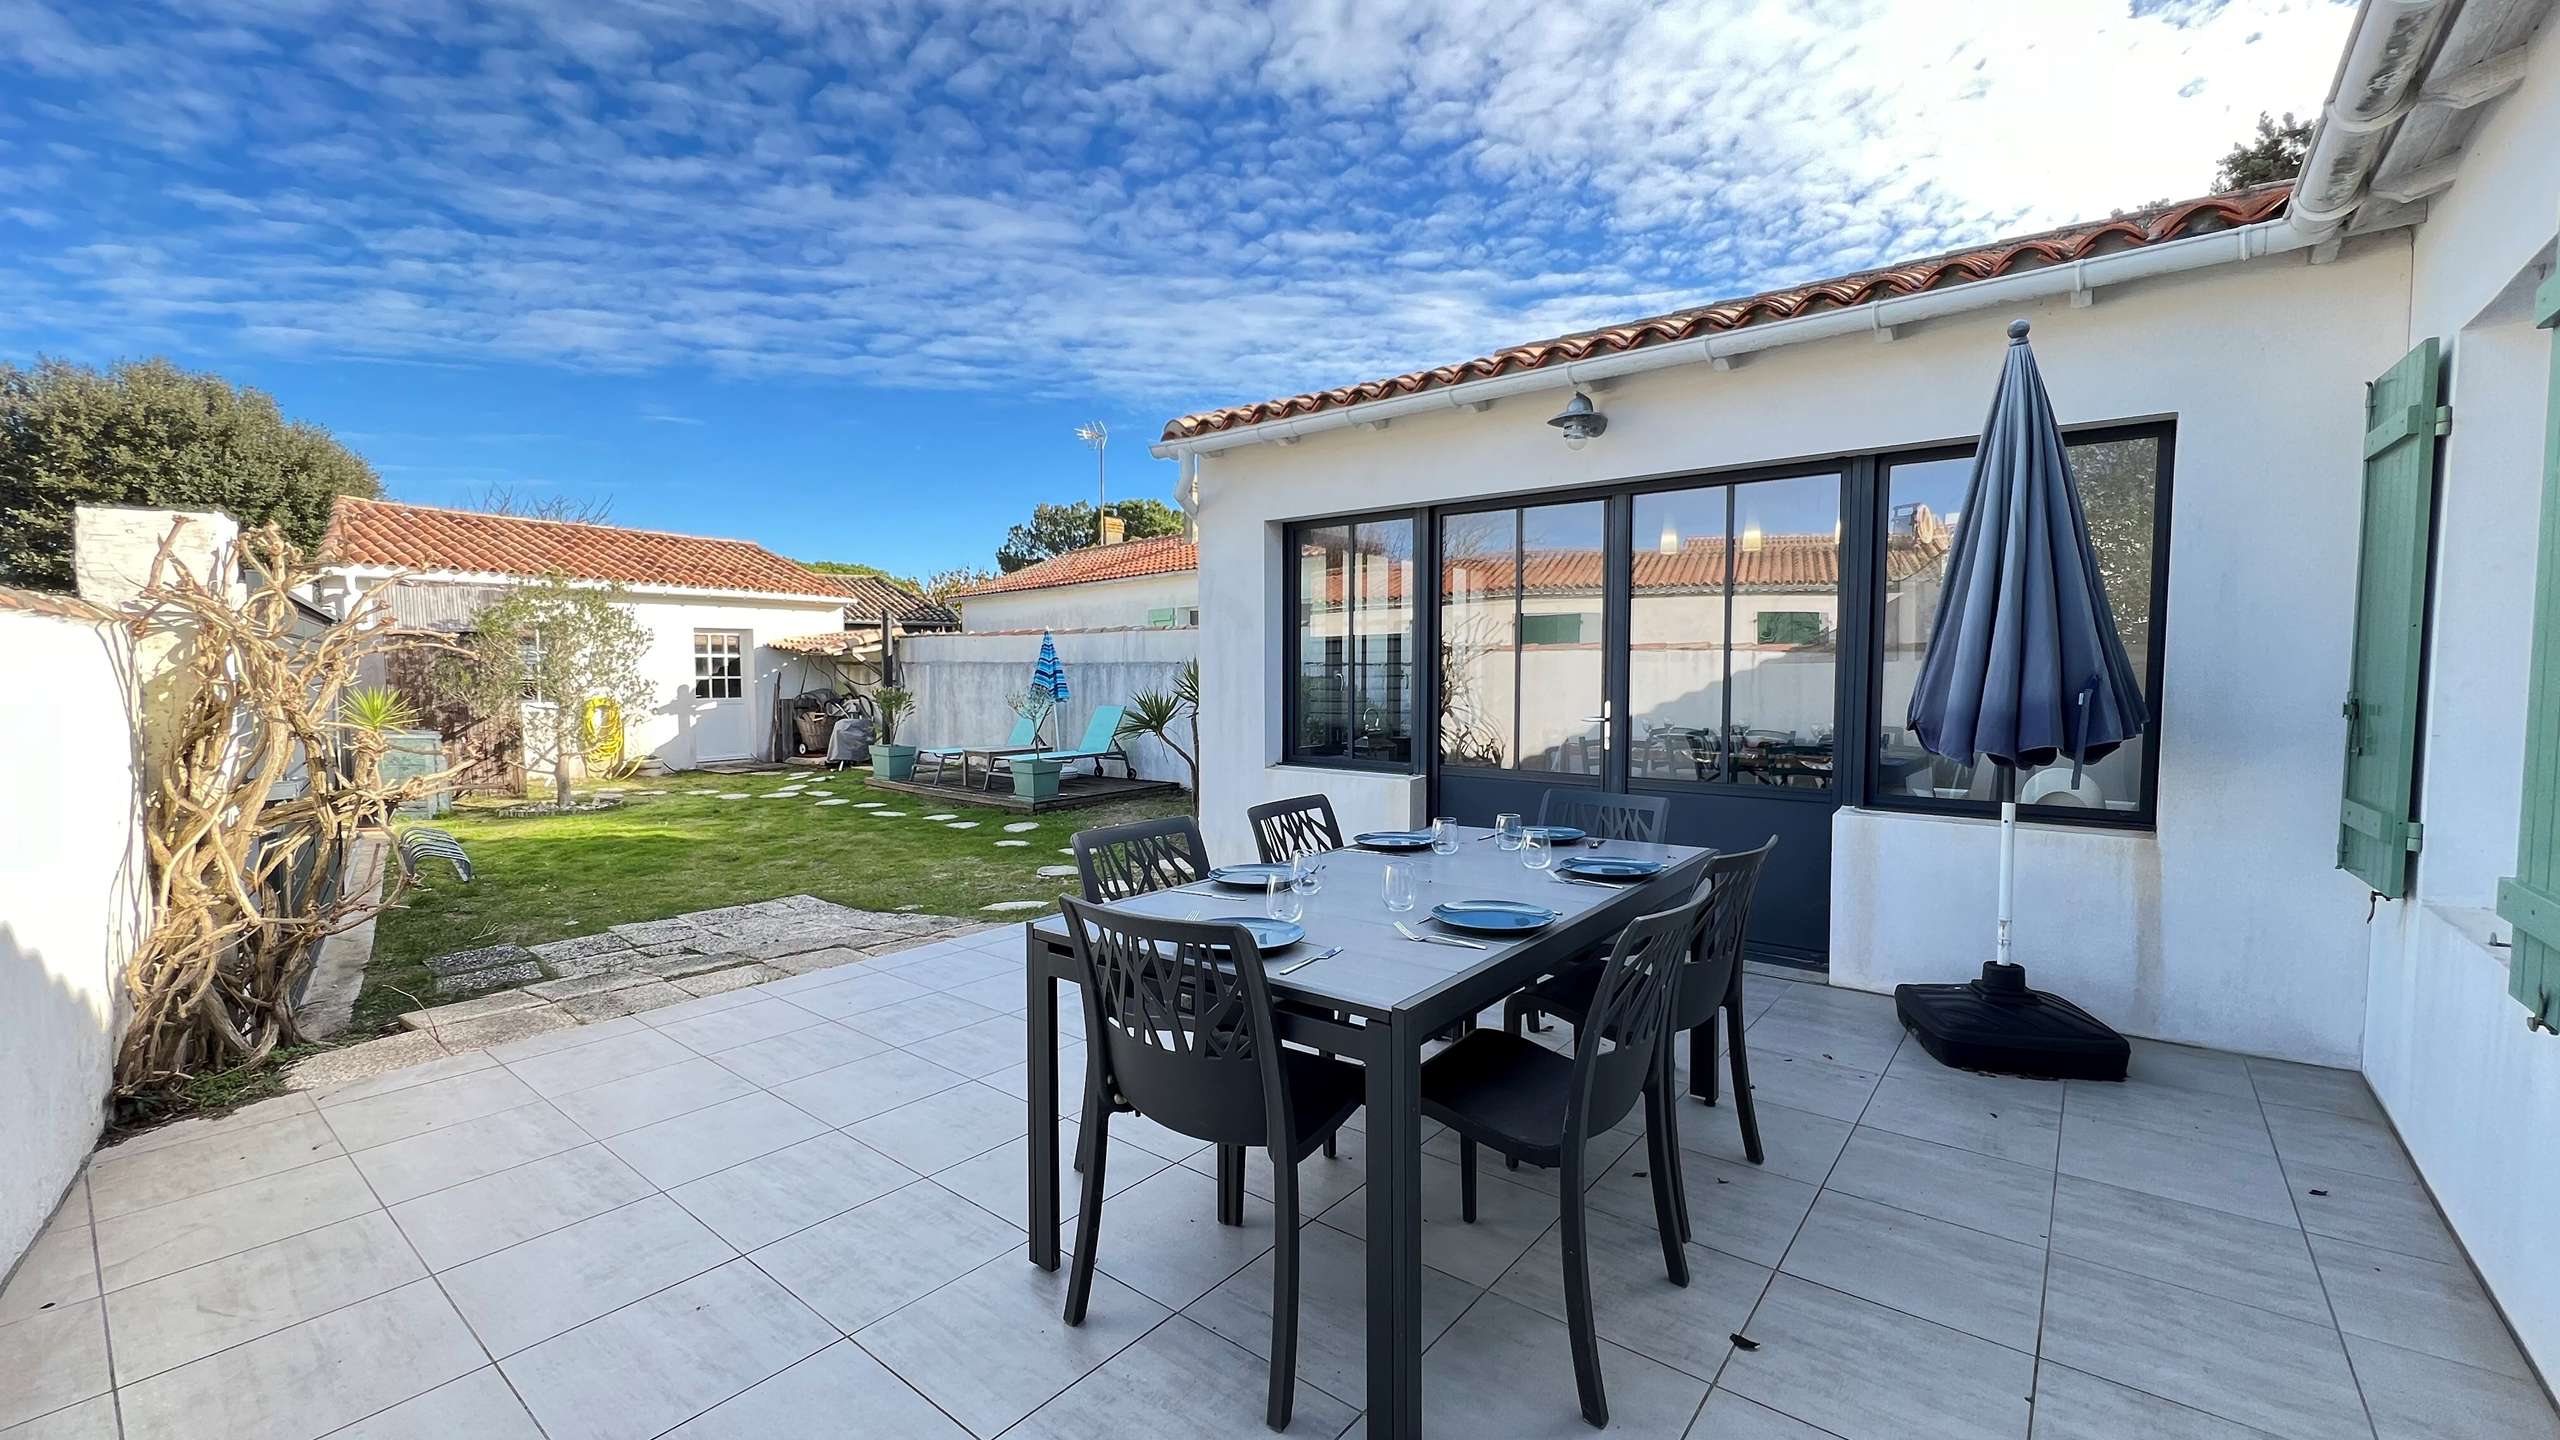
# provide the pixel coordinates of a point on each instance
(2401, 422)
(2531, 899)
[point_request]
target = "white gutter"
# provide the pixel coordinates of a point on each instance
(2196, 252)
(2376, 85)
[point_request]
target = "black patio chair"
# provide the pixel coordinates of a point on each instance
(1179, 1028)
(1283, 830)
(1117, 862)
(1611, 817)
(1710, 981)
(1535, 1106)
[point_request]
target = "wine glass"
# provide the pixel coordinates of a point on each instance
(1444, 836)
(1399, 888)
(1281, 900)
(1506, 831)
(1307, 873)
(1533, 850)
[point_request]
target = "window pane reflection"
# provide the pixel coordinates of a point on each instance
(2118, 481)
(1561, 679)
(1786, 630)
(1479, 568)
(1324, 650)
(1676, 664)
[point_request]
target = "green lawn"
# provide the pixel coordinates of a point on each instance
(551, 877)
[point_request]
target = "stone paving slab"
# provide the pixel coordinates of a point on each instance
(462, 962)
(582, 947)
(498, 1029)
(736, 977)
(472, 982)
(570, 987)
(630, 1000)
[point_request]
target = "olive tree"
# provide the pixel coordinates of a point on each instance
(548, 647)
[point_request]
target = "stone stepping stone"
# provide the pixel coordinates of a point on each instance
(1019, 826)
(1004, 905)
(867, 804)
(822, 792)
(903, 908)
(582, 947)
(1006, 844)
(1066, 849)
(834, 802)
(961, 825)
(1056, 872)
(487, 957)
(782, 795)
(732, 795)
(888, 814)
(945, 815)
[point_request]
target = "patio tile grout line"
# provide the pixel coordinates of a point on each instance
(106, 1331)
(2044, 1279)
(2354, 1376)
(438, 1281)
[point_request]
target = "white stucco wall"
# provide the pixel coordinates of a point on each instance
(671, 730)
(965, 684)
(73, 888)
(2248, 938)
(2474, 1094)
(1096, 605)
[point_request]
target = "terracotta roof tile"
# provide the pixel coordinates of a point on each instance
(1128, 560)
(423, 537)
(2027, 252)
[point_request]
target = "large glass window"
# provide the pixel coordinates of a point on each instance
(2118, 476)
(1522, 658)
(1734, 633)
(1353, 697)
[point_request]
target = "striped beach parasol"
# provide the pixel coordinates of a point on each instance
(1049, 674)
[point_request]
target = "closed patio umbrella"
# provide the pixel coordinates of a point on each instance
(1049, 674)
(2024, 668)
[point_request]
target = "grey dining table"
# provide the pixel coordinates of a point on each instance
(1377, 1002)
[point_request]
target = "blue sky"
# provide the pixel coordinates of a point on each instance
(842, 277)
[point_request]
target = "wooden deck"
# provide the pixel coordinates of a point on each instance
(1074, 793)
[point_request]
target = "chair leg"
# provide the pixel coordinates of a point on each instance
(1284, 1290)
(1702, 1059)
(1332, 1150)
(1742, 1081)
(1093, 1109)
(1577, 1289)
(1231, 1185)
(1670, 1209)
(1088, 1219)
(1467, 1179)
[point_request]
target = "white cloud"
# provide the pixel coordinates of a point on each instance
(1169, 205)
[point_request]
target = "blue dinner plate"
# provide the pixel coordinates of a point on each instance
(1268, 933)
(1555, 834)
(1494, 917)
(1610, 867)
(1394, 840)
(1247, 877)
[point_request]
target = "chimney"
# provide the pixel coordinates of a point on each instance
(1114, 529)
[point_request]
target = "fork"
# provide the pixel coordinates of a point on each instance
(1410, 933)
(1325, 954)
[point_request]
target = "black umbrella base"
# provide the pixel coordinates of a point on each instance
(1997, 1023)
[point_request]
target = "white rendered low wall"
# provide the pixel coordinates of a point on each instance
(72, 901)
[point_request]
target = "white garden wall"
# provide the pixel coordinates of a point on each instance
(1094, 605)
(964, 685)
(73, 889)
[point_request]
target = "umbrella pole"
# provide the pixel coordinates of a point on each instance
(2008, 855)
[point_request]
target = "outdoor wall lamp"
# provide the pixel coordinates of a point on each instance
(1579, 422)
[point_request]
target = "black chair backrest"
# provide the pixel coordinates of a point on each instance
(1731, 881)
(1618, 1045)
(1283, 830)
(1178, 1023)
(1118, 861)
(1611, 817)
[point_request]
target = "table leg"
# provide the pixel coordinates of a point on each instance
(1040, 1028)
(1395, 1233)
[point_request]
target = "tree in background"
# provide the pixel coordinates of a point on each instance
(500, 499)
(855, 568)
(553, 646)
(942, 586)
(2275, 153)
(148, 433)
(1056, 529)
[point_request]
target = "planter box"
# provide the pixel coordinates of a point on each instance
(1036, 780)
(893, 762)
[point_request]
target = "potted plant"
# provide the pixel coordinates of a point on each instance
(1036, 780)
(889, 759)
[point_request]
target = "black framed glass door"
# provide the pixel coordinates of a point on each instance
(1680, 639)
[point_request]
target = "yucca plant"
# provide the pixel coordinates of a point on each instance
(376, 710)
(1160, 712)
